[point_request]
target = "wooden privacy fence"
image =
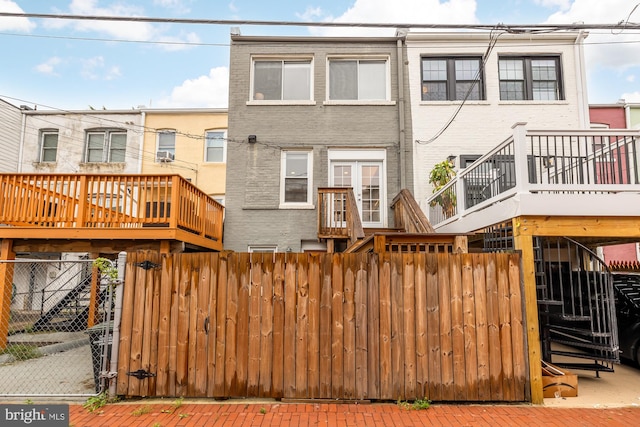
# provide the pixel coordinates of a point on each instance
(446, 327)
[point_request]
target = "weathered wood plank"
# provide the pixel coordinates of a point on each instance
(457, 328)
(446, 340)
(482, 334)
(422, 355)
(221, 327)
(469, 316)
(397, 330)
(182, 347)
(493, 326)
(290, 297)
(253, 369)
(349, 322)
(325, 327)
(173, 325)
(302, 328)
(517, 332)
(242, 329)
(277, 380)
(373, 328)
(193, 308)
(155, 325)
(360, 300)
(386, 374)
(313, 347)
(126, 325)
(504, 315)
(231, 336)
(266, 329)
(433, 329)
(164, 325)
(202, 316)
(212, 325)
(337, 327)
(409, 326)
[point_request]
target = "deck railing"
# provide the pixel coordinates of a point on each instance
(108, 201)
(338, 215)
(542, 162)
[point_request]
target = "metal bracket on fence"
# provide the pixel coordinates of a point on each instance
(147, 265)
(141, 374)
(109, 375)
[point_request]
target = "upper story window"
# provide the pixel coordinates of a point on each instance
(215, 146)
(295, 183)
(48, 145)
(451, 79)
(282, 79)
(106, 146)
(166, 150)
(358, 79)
(530, 78)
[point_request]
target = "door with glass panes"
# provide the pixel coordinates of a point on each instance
(365, 177)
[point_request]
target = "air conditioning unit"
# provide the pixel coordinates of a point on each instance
(164, 156)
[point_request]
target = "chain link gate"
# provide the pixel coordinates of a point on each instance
(59, 327)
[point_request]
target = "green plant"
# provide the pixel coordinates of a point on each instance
(441, 174)
(174, 407)
(418, 404)
(96, 402)
(156, 425)
(106, 268)
(142, 410)
(22, 351)
(183, 416)
(28, 402)
(263, 411)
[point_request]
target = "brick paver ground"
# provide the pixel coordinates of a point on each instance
(323, 414)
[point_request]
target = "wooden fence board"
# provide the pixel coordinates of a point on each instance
(409, 327)
(337, 327)
(469, 317)
(360, 300)
(446, 341)
(325, 327)
(341, 326)
(313, 347)
(493, 326)
(242, 328)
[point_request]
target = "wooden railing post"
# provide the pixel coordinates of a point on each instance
(6, 289)
(82, 202)
(175, 201)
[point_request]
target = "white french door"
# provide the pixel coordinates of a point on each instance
(366, 179)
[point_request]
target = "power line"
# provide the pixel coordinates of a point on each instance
(622, 25)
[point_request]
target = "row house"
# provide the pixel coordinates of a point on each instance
(11, 119)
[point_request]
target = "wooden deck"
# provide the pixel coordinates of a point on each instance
(107, 213)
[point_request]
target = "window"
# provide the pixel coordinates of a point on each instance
(296, 178)
(215, 146)
(106, 146)
(282, 79)
(530, 78)
(263, 248)
(166, 145)
(48, 146)
(451, 79)
(359, 79)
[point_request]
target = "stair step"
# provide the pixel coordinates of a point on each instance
(585, 366)
(579, 331)
(567, 317)
(550, 302)
(582, 345)
(583, 356)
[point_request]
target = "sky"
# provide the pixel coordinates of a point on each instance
(80, 65)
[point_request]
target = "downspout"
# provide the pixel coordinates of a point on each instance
(401, 121)
(21, 148)
(627, 115)
(581, 80)
(141, 148)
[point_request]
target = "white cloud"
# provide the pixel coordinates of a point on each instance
(49, 66)
(178, 6)
(96, 69)
(400, 11)
(8, 23)
(561, 4)
(232, 6)
(609, 49)
(631, 78)
(633, 97)
(311, 14)
(210, 91)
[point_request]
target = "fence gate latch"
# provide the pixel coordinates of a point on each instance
(146, 265)
(141, 374)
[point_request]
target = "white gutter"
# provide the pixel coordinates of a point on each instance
(21, 148)
(401, 128)
(581, 80)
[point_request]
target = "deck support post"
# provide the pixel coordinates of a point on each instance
(524, 243)
(6, 289)
(95, 288)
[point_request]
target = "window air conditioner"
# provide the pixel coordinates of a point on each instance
(164, 156)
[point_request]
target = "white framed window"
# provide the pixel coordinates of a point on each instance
(359, 79)
(166, 145)
(295, 179)
(530, 78)
(278, 79)
(48, 145)
(106, 146)
(262, 248)
(215, 146)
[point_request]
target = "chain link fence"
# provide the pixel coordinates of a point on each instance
(59, 325)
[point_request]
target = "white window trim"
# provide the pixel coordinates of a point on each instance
(384, 58)
(224, 146)
(262, 248)
(310, 101)
(283, 169)
(158, 132)
(42, 135)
